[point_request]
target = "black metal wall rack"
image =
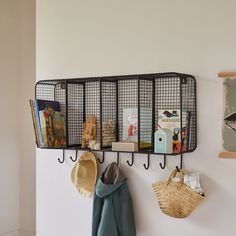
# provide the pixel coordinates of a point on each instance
(106, 97)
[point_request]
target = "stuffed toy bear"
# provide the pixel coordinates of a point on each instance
(89, 131)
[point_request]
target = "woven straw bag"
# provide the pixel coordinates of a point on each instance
(175, 198)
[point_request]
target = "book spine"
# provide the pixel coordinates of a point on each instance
(188, 131)
(43, 128)
(34, 123)
(36, 112)
(184, 130)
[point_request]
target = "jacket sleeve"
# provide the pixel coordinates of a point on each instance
(97, 211)
(125, 215)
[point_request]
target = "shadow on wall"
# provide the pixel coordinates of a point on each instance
(216, 196)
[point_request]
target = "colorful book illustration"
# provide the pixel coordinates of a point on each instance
(42, 105)
(36, 112)
(43, 128)
(170, 119)
(130, 126)
(34, 122)
(50, 127)
(54, 125)
(188, 126)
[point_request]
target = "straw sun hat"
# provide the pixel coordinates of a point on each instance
(84, 174)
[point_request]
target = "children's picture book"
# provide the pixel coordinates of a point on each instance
(130, 126)
(54, 125)
(34, 122)
(188, 129)
(36, 113)
(49, 124)
(43, 104)
(43, 129)
(170, 119)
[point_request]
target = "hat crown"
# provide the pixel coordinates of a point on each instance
(84, 174)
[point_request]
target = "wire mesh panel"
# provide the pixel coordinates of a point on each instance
(75, 100)
(109, 113)
(167, 94)
(188, 90)
(128, 109)
(45, 91)
(146, 113)
(53, 91)
(60, 96)
(167, 115)
(92, 102)
(175, 111)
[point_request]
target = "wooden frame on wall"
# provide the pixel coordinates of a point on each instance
(229, 112)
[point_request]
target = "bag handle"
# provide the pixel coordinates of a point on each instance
(173, 174)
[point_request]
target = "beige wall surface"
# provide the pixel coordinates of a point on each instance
(92, 38)
(27, 81)
(17, 78)
(9, 125)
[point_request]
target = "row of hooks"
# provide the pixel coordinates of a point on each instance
(130, 163)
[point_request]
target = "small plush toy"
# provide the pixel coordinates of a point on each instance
(89, 131)
(97, 146)
(92, 144)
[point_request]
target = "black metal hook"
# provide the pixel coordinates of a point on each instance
(118, 158)
(103, 158)
(132, 162)
(181, 163)
(74, 160)
(63, 160)
(163, 166)
(148, 163)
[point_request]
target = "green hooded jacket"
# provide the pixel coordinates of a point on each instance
(112, 206)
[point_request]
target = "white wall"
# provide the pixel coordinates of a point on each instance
(85, 38)
(9, 125)
(17, 78)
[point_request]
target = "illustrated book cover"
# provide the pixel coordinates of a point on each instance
(170, 119)
(51, 124)
(130, 126)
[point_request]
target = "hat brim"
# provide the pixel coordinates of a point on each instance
(84, 174)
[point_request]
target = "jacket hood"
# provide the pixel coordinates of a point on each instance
(112, 178)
